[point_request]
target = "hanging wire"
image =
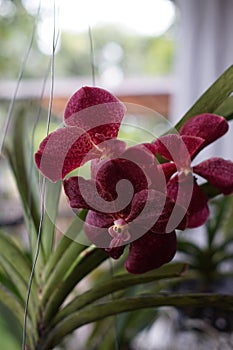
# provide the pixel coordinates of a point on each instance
(21, 71)
(116, 342)
(43, 187)
(92, 56)
(37, 118)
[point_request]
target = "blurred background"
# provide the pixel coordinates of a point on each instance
(160, 54)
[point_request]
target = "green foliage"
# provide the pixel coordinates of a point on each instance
(141, 55)
(15, 30)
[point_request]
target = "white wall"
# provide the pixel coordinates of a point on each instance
(204, 51)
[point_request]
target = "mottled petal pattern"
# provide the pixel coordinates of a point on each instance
(219, 172)
(178, 149)
(82, 192)
(197, 209)
(207, 126)
(150, 252)
(96, 111)
(167, 170)
(63, 151)
(116, 170)
(92, 116)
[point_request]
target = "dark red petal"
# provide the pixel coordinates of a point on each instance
(96, 111)
(113, 171)
(143, 153)
(198, 208)
(190, 197)
(150, 252)
(146, 209)
(144, 156)
(193, 144)
(207, 126)
(87, 96)
(63, 151)
(167, 170)
(219, 172)
(99, 220)
(116, 252)
(96, 228)
(112, 148)
(152, 210)
(78, 198)
(87, 194)
(178, 149)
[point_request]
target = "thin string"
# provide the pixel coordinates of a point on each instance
(33, 267)
(116, 342)
(43, 188)
(21, 71)
(37, 118)
(92, 56)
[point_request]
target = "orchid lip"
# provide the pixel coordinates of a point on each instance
(120, 233)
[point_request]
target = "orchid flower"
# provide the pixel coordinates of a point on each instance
(92, 117)
(124, 210)
(195, 134)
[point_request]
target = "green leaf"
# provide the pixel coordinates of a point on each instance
(24, 172)
(17, 310)
(119, 282)
(67, 239)
(65, 256)
(226, 109)
(48, 227)
(85, 263)
(15, 306)
(57, 275)
(17, 268)
(8, 284)
(228, 219)
(188, 247)
(212, 98)
(106, 309)
(209, 190)
(11, 252)
(213, 225)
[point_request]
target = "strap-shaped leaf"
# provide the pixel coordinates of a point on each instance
(209, 190)
(20, 285)
(17, 310)
(11, 252)
(58, 274)
(8, 284)
(86, 262)
(21, 163)
(12, 304)
(117, 283)
(226, 109)
(67, 239)
(51, 207)
(98, 312)
(212, 98)
(228, 222)
(65, 257)
(17, 268)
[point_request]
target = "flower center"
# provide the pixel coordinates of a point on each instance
(186, 170)
(119, 232)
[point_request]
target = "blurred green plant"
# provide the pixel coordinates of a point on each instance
(57, 304)
(141, 55)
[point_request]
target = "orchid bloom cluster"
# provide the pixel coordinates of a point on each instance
(131, 198)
